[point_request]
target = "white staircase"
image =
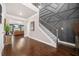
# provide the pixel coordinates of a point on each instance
(53, 38)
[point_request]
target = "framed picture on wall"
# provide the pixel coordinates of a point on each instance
(32, 26)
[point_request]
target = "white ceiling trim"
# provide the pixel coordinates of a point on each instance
(31, 6)
(33, 16)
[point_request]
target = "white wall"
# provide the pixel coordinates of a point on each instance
(1, 28)
(39, 34)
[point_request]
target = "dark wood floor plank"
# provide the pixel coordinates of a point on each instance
(30, 47)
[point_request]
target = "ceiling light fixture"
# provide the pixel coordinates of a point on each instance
(20, 13)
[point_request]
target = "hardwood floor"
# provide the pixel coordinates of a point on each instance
(29, 47)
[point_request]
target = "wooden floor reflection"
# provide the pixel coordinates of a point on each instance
(30, 47)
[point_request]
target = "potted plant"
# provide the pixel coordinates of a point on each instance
(7, 36)
(7, 29)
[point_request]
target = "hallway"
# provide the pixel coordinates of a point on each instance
(36, 29)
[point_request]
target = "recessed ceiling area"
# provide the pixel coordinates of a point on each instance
(19, 10)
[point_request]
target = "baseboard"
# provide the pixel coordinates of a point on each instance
(67, 43)
(43, 42)
(49, 35)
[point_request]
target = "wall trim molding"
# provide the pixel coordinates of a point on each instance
(51, 35)
(67, 43)
(43, 42)
(48, 35)
(53, 43)
(31, 6)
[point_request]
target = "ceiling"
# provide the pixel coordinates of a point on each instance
(19, 10)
